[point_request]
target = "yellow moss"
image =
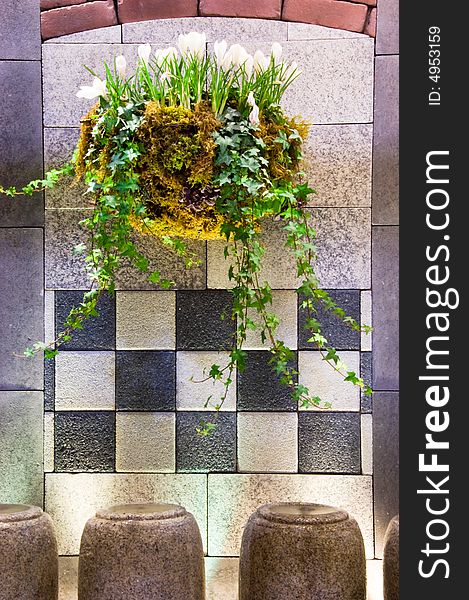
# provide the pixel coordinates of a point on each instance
(86, 128)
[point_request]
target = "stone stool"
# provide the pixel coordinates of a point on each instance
(391, 561)
(302, 552)
(28, 554)
(141, 552)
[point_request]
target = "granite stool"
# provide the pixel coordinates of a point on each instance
(28, 554)
(391, 561)
(141, 552)
(302, 552)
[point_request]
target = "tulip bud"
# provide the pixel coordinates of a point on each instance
(144, 52)
(121, 65)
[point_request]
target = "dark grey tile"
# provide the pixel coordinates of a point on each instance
(49, 384)
(201, 454)
(259, 388)
(98, 333)
(85, 441)
(366, 371)
(385, 275)
(385, 462)
(339, 335)
(199, 325)
(329, 442)
(21, 35)
(21, 307)
(385, 198)
(145, 380)
(387, 30)
(20, 140)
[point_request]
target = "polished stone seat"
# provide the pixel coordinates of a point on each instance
(391, 561)
(28, 554)
(140, 552)
(302, 552)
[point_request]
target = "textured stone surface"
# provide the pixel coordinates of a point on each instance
(338, 165)
(28, 551)
(68, 577)
(262, 9)
(216, 452)
(329, 442)
(267, 442)
(301, 551)
(306, 31)
(391, 561)
(387, 34)
(222, 578)
(386, 142)
(49, 384)
(145, 380)
(260, 389)
(367, 444)
(21, 38)
(233, 498)
(48, 442)
(71, 499)
(284, 305)
(366, 318)
(85, 441)
(149, 550)
(21, 447)
(70, 19)
(21, 307)
(104, 35)
(386, 308)
(84, 380)
(49, 315)
(331, 13)
(323, 381)
(145, 442)
(146, 320)
(192, 392)
(20, 133)
(366, 372)
(136, 10)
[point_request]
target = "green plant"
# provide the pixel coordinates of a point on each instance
(194, 145)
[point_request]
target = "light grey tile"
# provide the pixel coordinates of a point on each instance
(85, 380)
(367, 444)
(21, 447)
(267, 442)
(366, 318)
(321, 379)
(387, 30)
(221, 578)
(233, 498)
(71, 499)
(48, 442)
(192, 395)
(102, 35)
(306, 31)
(68, 578)
(146, 442)
(146, 320)
(21, 35)
(49, 316)
(285, 306)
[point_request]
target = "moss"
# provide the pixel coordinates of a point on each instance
(86, 128)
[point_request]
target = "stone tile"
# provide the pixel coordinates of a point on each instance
(146, 320)
(166, 31)
(201, 454)
(68, 578)
(366, 372)
(103, 35)
(233, 498)
(145, 380)
(71, 499)
(339, 334)
(21, 447)
(367, 444)
(98, 333)
(49, 384)
(221, 576)
(85, 441)
(267, 442)
(284, 305)
(49, 316)
(21, 309)
(366, 318)
(386, 142)
(386, 308)
(203, 320)
(323, 381)
(146, 442)
(305, 31)
(329, 442)
(84, 380)
(48, 442)
(20, 138)
(385, 462)
(192, 392)
(259, 388)
(338, 165)
(387, 32)
(21, 36)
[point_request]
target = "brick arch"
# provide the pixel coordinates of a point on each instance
(61, 17)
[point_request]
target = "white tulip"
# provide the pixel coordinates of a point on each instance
(261, 62)
(193, 44)
(121, 65)
(276, 51)
(94, 91)
(254, 114)
(220, 49)
(165, 55)
(236, 56)
(144, 52)
(249, 65)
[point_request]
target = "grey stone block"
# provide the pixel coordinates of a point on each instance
(21, 308)
(387, 30)
(21, 447)
(306, 31)
(21, 36)
(386, 142)
(20, 139)
(103, 35)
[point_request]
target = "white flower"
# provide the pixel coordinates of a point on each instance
(193, 44)
(261, 62)
(254, 114)
(165, 55)
(94, 91)
(249, 65)
(166, 76)
(276, 51)
(144, 51)
(236, 56)
(220, 49)
(121, 65)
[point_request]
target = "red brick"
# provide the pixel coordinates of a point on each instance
(370, 26)
(130, 11)
(73, 19)
(48, 4)
(258, 9)
(330, 13)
